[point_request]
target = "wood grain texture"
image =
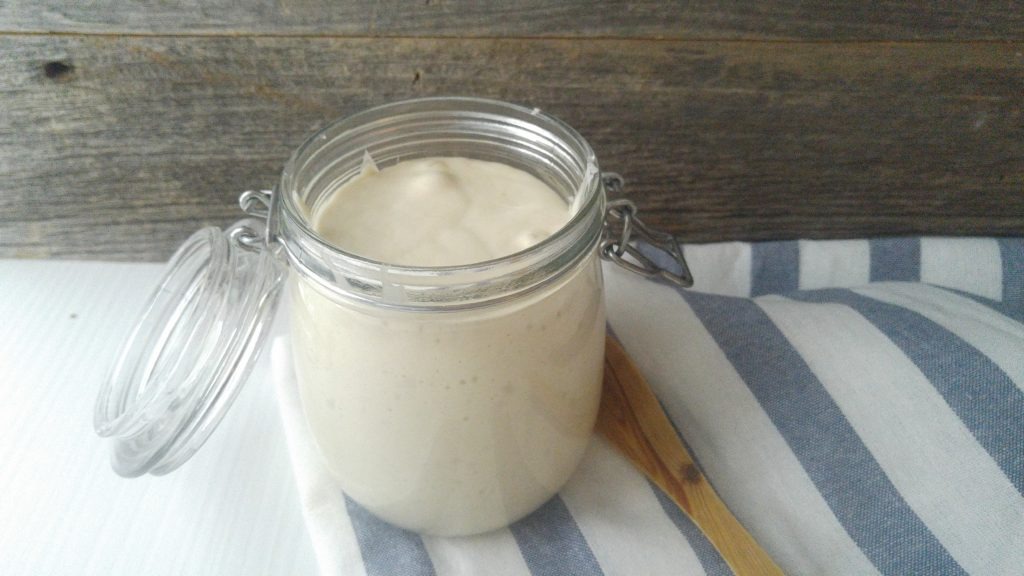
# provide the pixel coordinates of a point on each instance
(633, 421)
(130, 144)
(719, 19)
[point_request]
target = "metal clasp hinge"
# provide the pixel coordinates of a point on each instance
(623, 228)
(253, 233)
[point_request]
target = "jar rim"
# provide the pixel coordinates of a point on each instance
(317, 139)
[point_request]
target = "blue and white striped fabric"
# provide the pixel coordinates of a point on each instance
(859, 405)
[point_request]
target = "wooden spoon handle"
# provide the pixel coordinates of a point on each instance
(633, 420)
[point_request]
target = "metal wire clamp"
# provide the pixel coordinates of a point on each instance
(628, 242)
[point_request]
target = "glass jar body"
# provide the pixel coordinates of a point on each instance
(452, 423)
(451, 400)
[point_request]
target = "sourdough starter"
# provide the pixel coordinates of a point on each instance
(453, 422)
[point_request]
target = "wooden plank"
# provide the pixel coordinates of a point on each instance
(809, 20)
(135, 142)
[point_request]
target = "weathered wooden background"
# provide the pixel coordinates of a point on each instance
(124, 126)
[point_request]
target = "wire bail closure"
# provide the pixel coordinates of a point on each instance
(623, 228)
(253, 233)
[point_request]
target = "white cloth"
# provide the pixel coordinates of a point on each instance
(878, 429)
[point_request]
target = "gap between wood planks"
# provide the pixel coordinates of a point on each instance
(486, 38)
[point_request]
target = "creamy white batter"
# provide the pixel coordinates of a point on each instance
(449, 422)
(440, 212)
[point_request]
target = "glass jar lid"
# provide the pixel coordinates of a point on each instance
(195, 344)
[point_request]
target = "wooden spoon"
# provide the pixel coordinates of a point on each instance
(632, 419)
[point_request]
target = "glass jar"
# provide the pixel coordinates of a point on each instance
(446, 400)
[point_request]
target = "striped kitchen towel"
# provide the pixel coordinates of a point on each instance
(859, 405)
